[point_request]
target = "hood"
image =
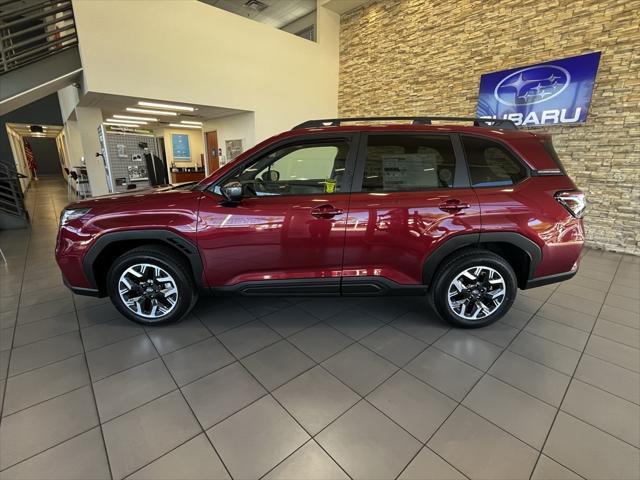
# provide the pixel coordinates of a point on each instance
(135, 196)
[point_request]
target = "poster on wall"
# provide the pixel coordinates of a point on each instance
(234, 148)
(550, 93)
(180, 147)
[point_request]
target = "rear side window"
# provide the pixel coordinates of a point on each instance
(397, 163)
(490, 164)
(548, 147)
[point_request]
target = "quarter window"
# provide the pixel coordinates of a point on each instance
(398, 163)
(307, 169)
(490, 164)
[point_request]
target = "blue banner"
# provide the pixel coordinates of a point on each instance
(550, 93)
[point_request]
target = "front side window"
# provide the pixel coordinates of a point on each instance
(302, 169)
(490, 164)
(397, 163)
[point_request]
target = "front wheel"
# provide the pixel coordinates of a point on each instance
(151, 285)
(474, 289)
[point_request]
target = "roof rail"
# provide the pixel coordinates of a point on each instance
(477, 122)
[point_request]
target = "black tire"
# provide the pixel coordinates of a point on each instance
(172, 264)
(454, 266)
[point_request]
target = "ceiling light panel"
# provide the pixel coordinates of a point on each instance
(167, 106)
(151, 112)
(190, 122)
(144, 119)
(117, 120)
(182, 125)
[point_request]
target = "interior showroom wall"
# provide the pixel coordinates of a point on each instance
(416, 57)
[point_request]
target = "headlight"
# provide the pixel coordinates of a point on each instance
(71, 214)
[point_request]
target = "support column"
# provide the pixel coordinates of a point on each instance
(89, 119)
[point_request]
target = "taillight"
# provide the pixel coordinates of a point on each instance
(574, 201)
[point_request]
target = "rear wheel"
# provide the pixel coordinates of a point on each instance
(151, 285)
(474, 289)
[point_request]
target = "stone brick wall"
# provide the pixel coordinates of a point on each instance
(411, 57)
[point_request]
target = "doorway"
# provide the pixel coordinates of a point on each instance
(45, 152)
(213, 162)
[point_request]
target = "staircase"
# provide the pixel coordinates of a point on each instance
(38, 50)
(13, 213)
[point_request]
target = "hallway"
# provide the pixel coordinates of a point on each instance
(314, 388)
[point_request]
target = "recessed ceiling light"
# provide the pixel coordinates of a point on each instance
(149, 119)
(166, 106)
(122, 124)
(182, 125)
(116, 120)
(151, 112)
(190, 122)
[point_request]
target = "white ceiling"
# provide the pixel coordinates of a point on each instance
(117, 104)
(278, 13)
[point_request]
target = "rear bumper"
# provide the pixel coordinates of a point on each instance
(548, 279)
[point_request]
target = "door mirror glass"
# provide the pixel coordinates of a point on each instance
(232, 191)
(271, 176)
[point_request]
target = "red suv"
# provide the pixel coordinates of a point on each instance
(463, 214)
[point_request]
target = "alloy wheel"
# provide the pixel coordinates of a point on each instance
(148, 290)
(476, 293)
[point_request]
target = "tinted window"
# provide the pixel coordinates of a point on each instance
(490, 164)
(303, 169)
(408, 162)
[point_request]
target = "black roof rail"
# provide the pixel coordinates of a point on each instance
(477, 122)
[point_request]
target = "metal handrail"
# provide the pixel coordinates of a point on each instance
(31, 32)
(11, 197)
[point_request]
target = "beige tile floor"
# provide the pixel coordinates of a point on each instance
(307, 388)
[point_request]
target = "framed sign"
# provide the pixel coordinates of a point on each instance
(180, 147)
(550, 93)
(234, 148)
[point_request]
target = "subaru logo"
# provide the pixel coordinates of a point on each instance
(532, 85)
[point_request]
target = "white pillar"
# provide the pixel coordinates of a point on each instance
(88, 121)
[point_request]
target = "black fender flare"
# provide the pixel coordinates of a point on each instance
(171, 239)
(457, 242)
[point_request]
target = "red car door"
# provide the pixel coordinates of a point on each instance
(290, 224)
(410, 194)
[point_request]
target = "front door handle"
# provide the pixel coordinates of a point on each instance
(326, 211)
(453, 206)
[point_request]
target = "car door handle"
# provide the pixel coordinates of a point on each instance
(453, 206)
(326, 211)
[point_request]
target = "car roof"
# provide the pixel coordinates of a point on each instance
(407, 127)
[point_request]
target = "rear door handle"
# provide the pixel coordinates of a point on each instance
(326, 211)
(453, 206)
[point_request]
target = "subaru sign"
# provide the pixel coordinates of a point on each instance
(552, 93)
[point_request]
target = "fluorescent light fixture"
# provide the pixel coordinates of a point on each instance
(182, 125)
(118, 124)
(190, 122)
(117, 120)
(151, 112)
(128, 117)
(166, 106)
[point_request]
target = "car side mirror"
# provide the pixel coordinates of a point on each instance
(271, 176)
(232, 191)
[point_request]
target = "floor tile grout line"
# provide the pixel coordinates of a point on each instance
(553, 422)
(270, 394)
(93, 393)
(6, 379)
(40, 402)
(460, 402)
(184, 398)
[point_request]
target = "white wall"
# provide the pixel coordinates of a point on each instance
(233, 127)
(68, 98)
(187, 51)
(196, 146)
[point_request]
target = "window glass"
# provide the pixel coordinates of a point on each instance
(408, 162)
(490, 164)
(309, 169)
